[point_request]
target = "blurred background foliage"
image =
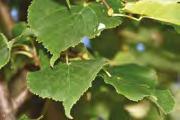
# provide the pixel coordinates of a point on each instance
(149, 42)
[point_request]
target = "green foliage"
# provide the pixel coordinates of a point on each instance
(58, 28)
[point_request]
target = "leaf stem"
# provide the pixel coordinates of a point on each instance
(106, 4)
(107, 73)
(110, 10)
(67, 59)
(127, 16)
(28, 54)
(68, 4)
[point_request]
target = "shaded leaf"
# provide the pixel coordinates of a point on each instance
(136, 82)
(4, 51)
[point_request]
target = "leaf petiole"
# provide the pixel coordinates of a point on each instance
(127, 16)
(107, 73)
(68, 4)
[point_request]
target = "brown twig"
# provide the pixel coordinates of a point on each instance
(5, 19)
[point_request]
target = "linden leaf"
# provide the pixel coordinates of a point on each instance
(59, 28)
(65, 82)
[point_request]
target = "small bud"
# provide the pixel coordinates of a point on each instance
(110, 12)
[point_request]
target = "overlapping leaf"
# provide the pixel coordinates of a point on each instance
(4, 51)
(137, 82)
(58, 28)
(165, 11)
(65, 82)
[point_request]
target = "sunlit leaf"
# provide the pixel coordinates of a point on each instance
(165, 11)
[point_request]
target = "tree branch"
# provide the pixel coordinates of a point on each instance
(5, 19)
(6, 110)
(21, 99)
(18, 90)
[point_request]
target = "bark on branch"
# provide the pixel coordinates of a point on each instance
(6, 110)
(21, 99)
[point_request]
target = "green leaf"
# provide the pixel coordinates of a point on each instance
(133, 81)
(136, 82)
(59, 28)
(165, 11)
(65, 82)
(4, 51)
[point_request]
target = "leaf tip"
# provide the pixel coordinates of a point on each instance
(53, 60)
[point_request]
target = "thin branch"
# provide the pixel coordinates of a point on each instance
(5, 19)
